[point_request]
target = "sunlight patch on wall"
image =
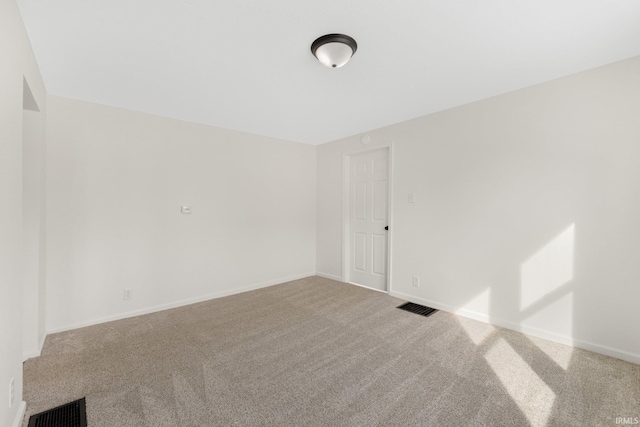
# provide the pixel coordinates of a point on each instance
(476, 330)
(532, 395)
(548, 269)
(556, 316)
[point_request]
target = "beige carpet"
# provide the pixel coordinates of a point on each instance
(315, 352)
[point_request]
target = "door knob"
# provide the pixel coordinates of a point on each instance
(387, 227)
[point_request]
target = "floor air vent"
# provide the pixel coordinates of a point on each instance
(72, 414)
(418, 309)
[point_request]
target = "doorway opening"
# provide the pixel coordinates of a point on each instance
(34, 224)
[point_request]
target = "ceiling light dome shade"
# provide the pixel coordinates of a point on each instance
(334, 50)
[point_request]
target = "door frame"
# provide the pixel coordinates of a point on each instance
(346, 201)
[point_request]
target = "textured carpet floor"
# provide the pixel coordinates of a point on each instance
(315, 352)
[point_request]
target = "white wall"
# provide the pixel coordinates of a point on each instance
(16, 64)
(116, 180)
(527, 212)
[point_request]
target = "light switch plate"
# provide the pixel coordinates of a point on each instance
(186, 209)
(412, 197)
(415, 281)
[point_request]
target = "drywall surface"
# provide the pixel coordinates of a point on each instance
(526, 209)
(116, 181)
(17, 64)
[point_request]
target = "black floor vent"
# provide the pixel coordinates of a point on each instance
(72, 414)
(418, 309)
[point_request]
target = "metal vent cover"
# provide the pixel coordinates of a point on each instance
(418, 309)
(73, 414)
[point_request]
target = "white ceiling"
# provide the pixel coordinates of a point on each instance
(247, 65)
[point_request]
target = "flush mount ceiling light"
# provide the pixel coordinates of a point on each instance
(334, 50)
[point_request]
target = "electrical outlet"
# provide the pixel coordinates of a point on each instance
(11, 393)
(128, 294)
(416, 281)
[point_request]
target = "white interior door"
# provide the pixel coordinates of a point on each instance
(368, 216)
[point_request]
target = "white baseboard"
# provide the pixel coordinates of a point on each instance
(329, 276)
(180, 303)
(551, 336)
(17, 422)
(339, 279)
(41, 344)
(37, 353)
(367, 287)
